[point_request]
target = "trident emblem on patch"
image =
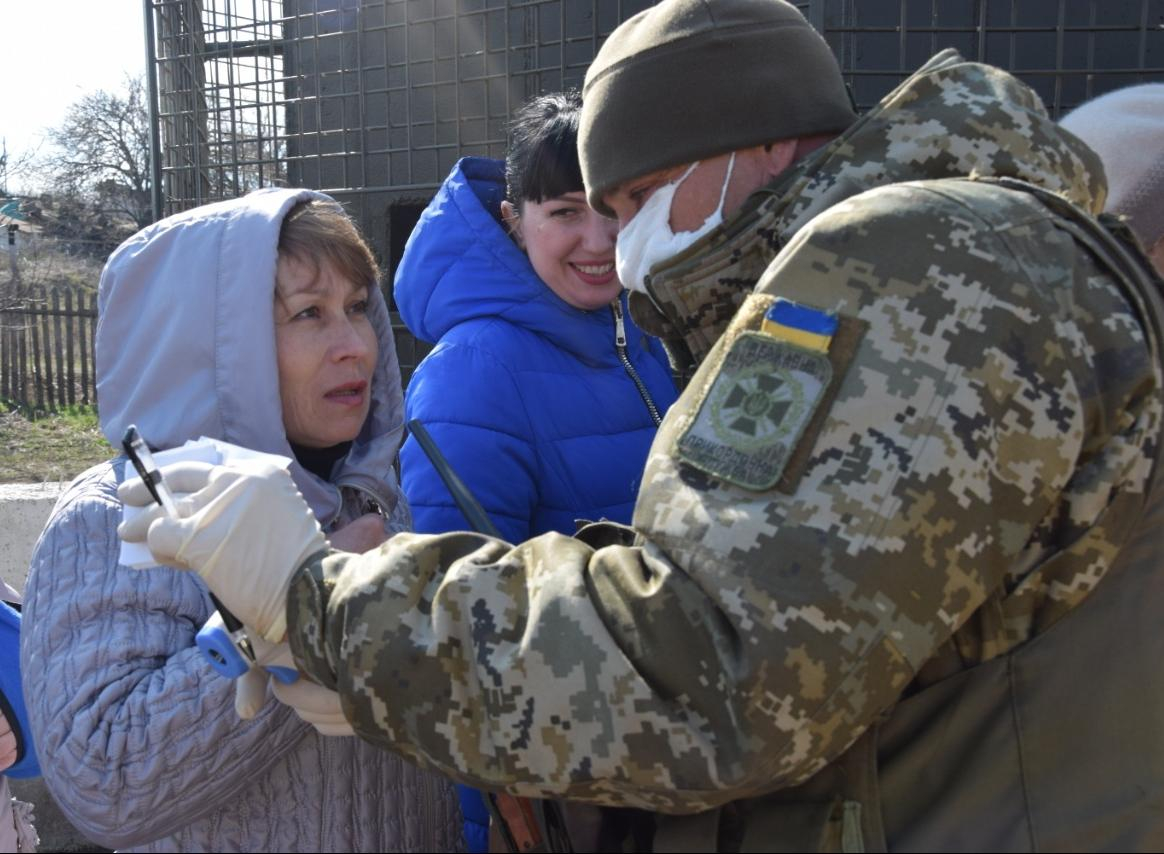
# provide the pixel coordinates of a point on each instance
(761, 407)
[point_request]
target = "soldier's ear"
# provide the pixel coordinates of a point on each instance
(512, 220)
(778, 156)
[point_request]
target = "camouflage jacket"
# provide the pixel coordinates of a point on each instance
(817, 531)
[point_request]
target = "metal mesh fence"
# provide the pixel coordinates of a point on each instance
(390, 93)
(1069, 51)
(394, 92)
(374, 100)
(219, 95)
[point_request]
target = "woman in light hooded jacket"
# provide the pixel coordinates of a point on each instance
(1126, 129)
(139, 738)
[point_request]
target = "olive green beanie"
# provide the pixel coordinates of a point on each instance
(690, 79)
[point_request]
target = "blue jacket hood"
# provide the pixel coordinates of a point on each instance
(459, 265)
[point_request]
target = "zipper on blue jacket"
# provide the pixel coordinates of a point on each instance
(620, 346)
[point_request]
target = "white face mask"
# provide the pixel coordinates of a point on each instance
(648, 239)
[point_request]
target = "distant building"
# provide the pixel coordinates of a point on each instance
(15, 228)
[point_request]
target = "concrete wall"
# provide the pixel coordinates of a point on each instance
(24, 508)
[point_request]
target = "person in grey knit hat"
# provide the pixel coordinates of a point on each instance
(893, 577)
(1126, 129)
(709, 59)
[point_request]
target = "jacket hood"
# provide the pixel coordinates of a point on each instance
(185, 344)
(951, 118)
(460, 265)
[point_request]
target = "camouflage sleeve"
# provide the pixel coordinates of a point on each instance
(802, 549)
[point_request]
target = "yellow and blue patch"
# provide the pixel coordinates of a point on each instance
(801, 325)
(756, 421)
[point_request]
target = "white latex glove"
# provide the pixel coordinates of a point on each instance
(250, 692)
(250, 689)
(244, 528)
(314, 704)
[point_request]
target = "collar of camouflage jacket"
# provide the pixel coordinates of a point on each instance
(951, 118)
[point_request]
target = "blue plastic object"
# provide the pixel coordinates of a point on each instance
(221, 649)
(218, 647)
(11, 695)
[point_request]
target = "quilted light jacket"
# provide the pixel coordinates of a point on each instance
(139, 738)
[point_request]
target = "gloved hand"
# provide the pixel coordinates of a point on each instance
(250, 692)
(314, 704)
(251, 689)
(244, 528)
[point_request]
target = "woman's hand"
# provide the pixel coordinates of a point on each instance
(360, 535)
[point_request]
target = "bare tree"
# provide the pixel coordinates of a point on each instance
(102, 152)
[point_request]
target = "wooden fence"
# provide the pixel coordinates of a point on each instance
(46, 346)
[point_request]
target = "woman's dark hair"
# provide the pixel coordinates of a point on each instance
(542, 162)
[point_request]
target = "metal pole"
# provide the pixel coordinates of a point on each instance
(155, 122)
(14, 270)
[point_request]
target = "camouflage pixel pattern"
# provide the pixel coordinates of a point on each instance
(983, 460)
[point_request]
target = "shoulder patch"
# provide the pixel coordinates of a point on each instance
(759, 416)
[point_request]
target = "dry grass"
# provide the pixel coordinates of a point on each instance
(47, 261)
(51, 447)
(61, 445)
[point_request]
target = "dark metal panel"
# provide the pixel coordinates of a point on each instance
(1067, 50)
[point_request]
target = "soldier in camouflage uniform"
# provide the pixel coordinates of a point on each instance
(892, 577)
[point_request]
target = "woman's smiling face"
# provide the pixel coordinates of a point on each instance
(571, 247)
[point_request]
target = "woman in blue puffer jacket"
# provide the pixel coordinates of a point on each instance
(541, 393)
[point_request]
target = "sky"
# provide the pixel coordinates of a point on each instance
(53, 52)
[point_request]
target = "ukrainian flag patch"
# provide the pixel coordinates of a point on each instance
(758, 418)
(802, 325)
